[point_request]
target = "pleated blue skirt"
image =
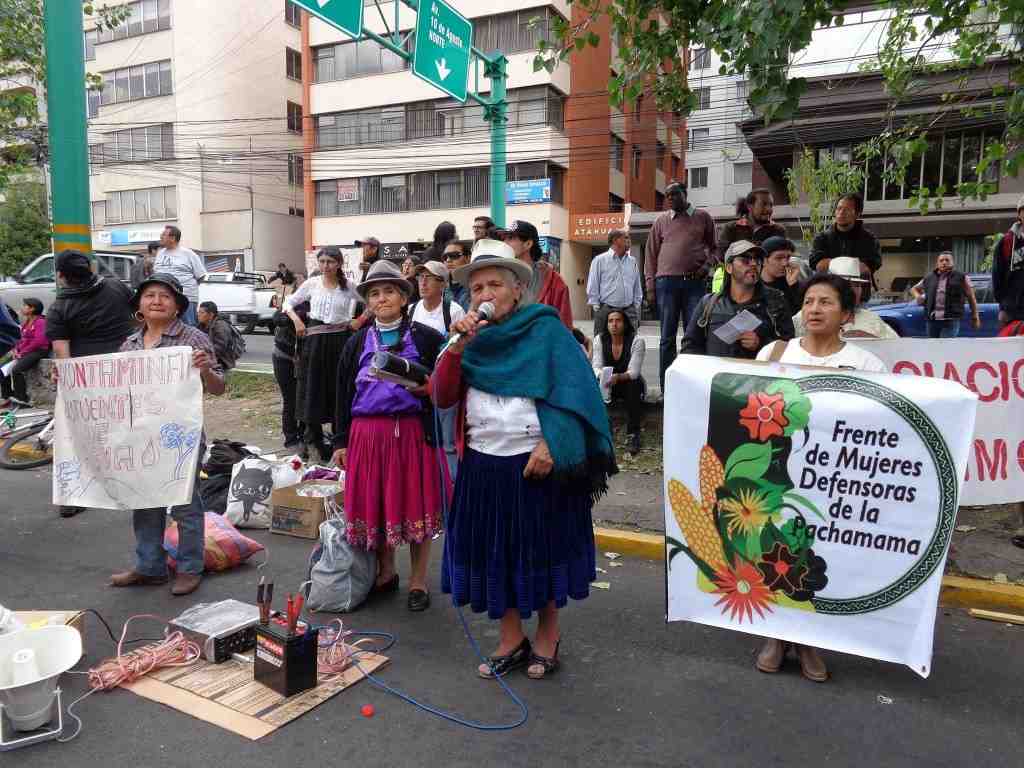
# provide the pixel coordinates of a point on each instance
(515, 543)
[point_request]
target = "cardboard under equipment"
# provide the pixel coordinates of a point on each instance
(227, 696)
(295, 515)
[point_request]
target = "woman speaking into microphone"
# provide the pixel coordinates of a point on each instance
(536, 451)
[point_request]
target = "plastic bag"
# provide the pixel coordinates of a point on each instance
(340, 576)
(224, 547)
(252, 482)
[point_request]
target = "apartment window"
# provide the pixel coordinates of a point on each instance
(92, 97)
(134, 83)
(154, 142)
(292, 13)
(91, 38)
(700, 58)
(661, 153)
(742, 92)
(696, 178)
(352, 59)
(618, 153)
(742, 173)
(675, 168)
(99, 213)
(138, 205)
(293, 63)
(638, 156)
(295, 168)
(615, 203)
(143, 16)
(294, 117)
(703, 97)
(513, 32)
(638, 113)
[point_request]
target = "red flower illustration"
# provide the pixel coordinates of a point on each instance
(763, 416)
(743, 591)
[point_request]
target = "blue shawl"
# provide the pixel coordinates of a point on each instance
(531, 354)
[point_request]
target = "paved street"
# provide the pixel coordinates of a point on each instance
(260, 345)
(633, 691)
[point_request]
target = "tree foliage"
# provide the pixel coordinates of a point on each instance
(24, 225)
(757, 40)
(819, 185)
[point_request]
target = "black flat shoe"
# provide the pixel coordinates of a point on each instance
(499, 666)
(418, 600)
(386, 588)
(542, 666)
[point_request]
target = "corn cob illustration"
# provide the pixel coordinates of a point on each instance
(697, 522)
(712, 475)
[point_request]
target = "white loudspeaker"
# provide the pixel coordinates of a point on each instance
(31, 660)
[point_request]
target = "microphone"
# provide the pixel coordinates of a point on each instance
(485, 312)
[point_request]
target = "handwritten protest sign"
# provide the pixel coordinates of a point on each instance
(127, 429)
(994, 370)
(812, 506)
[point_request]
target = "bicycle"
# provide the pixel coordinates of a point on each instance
(29, 445)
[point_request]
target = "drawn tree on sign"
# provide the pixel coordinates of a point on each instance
(174, 437)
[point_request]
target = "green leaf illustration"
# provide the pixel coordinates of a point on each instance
(798, 406)
(807, 503)
(750, 460)
(795, 536)
(770, 536)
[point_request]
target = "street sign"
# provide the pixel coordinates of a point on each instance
(532, 191)
(346, 15)
(443, 39)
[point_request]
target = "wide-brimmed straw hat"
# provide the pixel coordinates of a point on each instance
(493, 253)
(846, 267)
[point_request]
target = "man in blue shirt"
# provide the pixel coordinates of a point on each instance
(615, 282)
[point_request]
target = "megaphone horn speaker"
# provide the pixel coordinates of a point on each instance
(31, 661)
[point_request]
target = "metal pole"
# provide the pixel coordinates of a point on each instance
(497, 115)
(68, 126)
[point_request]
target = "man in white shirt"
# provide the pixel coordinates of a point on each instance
(185, 265)
(615, 282)
(433, 309)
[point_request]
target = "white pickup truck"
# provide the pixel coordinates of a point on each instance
(242, 296)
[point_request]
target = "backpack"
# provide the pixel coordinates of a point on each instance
(235, 348)
(446, 312)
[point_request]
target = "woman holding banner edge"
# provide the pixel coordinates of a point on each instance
(828, 304)
(159, 303)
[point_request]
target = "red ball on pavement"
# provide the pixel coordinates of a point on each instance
(367, 710)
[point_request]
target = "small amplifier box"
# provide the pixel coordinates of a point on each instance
(220, 629)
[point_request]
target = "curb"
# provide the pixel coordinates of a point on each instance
(957, 591)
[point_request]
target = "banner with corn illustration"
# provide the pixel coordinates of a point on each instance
(812, 506)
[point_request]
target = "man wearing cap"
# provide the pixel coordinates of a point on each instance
(547, 286)
(1008, 276)
(742, 291)
(371, 252)
(865, 323)
(91, 316)
(186, 267)
(942, 292)
(614, 282)
(778, 273)
(679, 248)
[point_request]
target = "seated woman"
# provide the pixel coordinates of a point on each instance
(384, 437)
(536, 452)
(828, 305)
(621, 349)
(30, 349)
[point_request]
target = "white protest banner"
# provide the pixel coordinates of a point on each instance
(811, 505)
(127, 429)
(994, 370)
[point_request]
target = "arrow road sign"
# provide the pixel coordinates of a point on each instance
(346, 15)
(443, 41)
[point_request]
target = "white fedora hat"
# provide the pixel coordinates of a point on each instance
(493, 253)
(847, 267)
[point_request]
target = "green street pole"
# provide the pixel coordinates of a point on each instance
(497, 114)
(66, 118)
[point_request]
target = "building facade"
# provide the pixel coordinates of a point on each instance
(391, 157)
(198, 124)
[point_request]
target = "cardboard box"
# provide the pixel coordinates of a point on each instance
(296, 515)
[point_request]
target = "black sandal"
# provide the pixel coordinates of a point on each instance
(499, 666)
(548, 666)
(419, 600)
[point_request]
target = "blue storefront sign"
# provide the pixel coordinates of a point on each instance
(532, 191)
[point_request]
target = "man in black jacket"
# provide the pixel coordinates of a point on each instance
(741, 291)
(91, 316)
(1008, 276)
(847, 237)
(943, 292)
(778, 273)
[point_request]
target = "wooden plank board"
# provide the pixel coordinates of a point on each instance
(1006, 618)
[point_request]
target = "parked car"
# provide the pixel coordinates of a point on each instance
(907, 318)
(244, 297)
(38, 279)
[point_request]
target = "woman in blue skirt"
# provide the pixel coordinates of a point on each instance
(536, 452)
